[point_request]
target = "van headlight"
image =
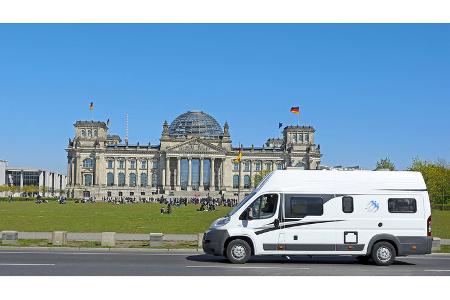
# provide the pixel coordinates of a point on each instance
(220, 222)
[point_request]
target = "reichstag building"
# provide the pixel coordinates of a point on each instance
(195, 157)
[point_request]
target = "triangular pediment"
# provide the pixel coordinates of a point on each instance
(196, 146)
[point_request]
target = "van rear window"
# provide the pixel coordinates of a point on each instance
(299, 207)
(402, 205)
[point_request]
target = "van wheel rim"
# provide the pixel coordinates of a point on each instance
(384, 254)
(238, 252)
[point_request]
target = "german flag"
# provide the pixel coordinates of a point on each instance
(295, 110)
(239, 156)
(91, 106)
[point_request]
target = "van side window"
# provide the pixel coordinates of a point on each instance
(347, 204)
(402, 205)
(264, 207)
(302, 206)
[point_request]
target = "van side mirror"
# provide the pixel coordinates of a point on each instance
(244, 215)
(276, 223)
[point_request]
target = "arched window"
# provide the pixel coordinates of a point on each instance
(154, 180)
(247, 181)
(121, 179)
(88, 163)
(89, 133)
(95, 133)
(144, 180)
(83, 133)
(132, 179)
(110, 179)
(87, 179)
(235, 181)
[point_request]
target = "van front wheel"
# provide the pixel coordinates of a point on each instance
(238, 251)
(383, 254)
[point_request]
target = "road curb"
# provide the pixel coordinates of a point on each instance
(105, 250)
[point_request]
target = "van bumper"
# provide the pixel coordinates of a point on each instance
(410, 245)
(214, 241)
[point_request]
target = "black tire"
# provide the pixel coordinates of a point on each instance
(383, 254)
(238, 251)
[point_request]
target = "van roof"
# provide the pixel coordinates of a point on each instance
(344, 182)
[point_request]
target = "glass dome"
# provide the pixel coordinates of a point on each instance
(195, 123)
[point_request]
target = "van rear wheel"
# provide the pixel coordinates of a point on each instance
(238, 251)
(383, 254)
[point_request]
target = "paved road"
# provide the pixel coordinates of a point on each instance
(32, 262)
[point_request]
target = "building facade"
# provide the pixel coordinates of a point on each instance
(49, 183)
(194, 157)
(3, 165)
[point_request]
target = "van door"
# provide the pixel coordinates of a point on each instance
(262, 218)
(307, 228)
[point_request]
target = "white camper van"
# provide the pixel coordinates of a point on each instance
(368, 214)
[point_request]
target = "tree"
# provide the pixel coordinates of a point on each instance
(30, 189)
(436, 176)
(260, 176)
(4, 188)
(385, 164)
(43, 190)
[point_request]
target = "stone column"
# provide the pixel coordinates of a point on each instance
(137, 172)
(222, 173)
(201, 173)
(228, 175)
(167, 171)
(97, 171)
(163, 177)
(178, 172)
(251, 174)
(213, 175)
(69, 171)
(21, 178)
(241, 178)
(189, 174)
(149, 179)
(71, 175)
(116, 177)
(273, 166)
(78, 170)
(127, 177)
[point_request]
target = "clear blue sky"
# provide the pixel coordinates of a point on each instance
(370, 91)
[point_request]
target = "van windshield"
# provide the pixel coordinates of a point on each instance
(240, 204)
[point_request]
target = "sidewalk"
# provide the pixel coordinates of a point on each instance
(100, 250)
(97, 236)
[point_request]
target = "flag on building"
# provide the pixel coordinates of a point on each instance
(280, 125)
(91, 106)
(239, 156)
(107, 122)
(295, 110)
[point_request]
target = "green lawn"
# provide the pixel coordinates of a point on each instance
(131, 218)
(441, 223)
(100, 217)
